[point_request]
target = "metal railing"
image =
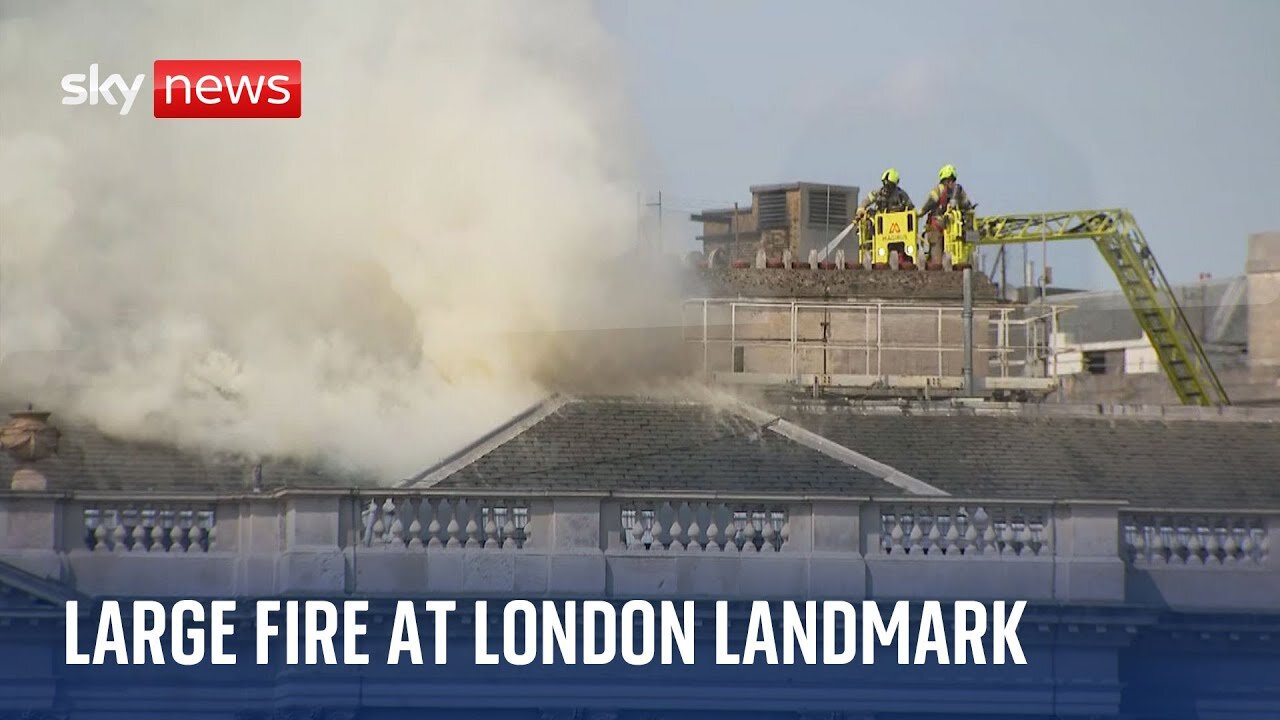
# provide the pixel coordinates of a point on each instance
(886, 339)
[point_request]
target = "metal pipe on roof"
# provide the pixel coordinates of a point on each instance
(967, 322)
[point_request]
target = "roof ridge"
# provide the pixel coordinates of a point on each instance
(836, 451)
(488, 442)
(45, 588)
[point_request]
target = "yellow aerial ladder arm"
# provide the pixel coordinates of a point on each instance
(1154, 304)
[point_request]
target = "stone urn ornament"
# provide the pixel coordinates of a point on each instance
(28, 438)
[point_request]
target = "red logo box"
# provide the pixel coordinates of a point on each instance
(227, 88)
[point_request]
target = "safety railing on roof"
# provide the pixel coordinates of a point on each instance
(795, 340)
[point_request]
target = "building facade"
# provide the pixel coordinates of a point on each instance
(1141, 538)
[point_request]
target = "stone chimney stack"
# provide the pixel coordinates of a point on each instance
(1263, 269)
(28, 438)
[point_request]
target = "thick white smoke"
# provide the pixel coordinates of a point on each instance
(353, 285)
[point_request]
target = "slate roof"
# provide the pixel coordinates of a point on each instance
(628, 444)
(88, 459)
(1149, 461)
(1226, 460)
(25, 595)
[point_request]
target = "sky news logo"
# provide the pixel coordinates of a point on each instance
(198, 89)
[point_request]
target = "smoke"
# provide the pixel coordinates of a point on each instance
(361, 286)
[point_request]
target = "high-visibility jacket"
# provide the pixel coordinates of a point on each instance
(887, 199)
(941, 199)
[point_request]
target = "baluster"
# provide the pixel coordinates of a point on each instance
(970, 544)
(895, 543)
(490, 528)
(100, 541)
(1007, 536)
(1020, 537)
(1138, 543)
(740, 536)
(387, 513)
(677, 529)
(986, 531)
(433, 527)
(768, 534)
(1043, 545)
(934, 544)
(373, 523)
(915, 535)
(786, 528)
(1213, 546)
(1195, 546)
(509, 526)
(657, 533)
(1159, 554)
(749, 534)
(158, 533)
(1230, 542)
(415, 525)
(136, 534)
(150, 540)
(211, 534)
(119, 533)
(1182, 540)
(454, 529)
(1247, 546)
(394, 538)
(521, 514)
(638, 527)
(695, 530)
(179, 527)
(952, 538)
(713, 528)
(474, 536)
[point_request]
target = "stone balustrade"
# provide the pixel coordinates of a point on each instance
(704, 526)
(407, 542)
(399, 522)
(149, 527)
(1002, 530)
(1201, 540)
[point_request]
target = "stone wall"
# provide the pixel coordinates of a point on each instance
(398, 542)
(1263, 269)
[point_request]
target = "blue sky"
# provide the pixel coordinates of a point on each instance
(1170, 108)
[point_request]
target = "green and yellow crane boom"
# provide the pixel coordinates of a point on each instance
(1154, 303)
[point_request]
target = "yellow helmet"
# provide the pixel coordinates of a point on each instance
(890, 177)
(947, 171)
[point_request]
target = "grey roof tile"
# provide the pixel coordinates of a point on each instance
(88, 459)
(612, 445)
(1150, 462)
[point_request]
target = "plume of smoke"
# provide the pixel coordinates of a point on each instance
(359, 285)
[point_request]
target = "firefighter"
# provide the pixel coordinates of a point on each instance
(946, 195)
(889, 198)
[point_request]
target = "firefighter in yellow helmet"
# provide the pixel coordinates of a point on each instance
(889, 198)
(945, 195)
